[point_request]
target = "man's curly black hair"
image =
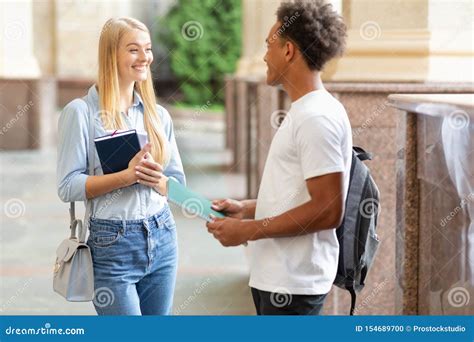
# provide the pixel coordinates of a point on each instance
(315, 27)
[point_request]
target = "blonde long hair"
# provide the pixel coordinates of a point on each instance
(109, 91)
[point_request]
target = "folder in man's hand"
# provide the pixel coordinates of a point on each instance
(193, 203)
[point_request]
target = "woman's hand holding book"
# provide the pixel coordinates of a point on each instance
(147, 171)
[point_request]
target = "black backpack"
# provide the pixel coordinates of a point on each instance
(358, 241)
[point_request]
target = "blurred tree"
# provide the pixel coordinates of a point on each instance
(204, 38)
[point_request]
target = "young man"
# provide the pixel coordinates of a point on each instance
(290, 228)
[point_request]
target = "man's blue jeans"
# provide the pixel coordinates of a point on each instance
(135, 264)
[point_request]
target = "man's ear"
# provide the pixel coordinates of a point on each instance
(290, 50)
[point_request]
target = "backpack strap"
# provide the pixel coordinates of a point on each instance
(361, 153)
(353, 299)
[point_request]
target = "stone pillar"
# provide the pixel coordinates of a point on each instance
(16, 57)
(257, 19)
(413, 41)
(82, 22)
(77, 27)
(44, 36)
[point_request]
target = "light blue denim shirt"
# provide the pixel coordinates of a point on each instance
(130, 203)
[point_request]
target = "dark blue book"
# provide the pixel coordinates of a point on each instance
(116, 150)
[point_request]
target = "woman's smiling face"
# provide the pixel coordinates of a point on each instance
(134, 56)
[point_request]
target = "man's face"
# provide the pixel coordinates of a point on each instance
(275, 56)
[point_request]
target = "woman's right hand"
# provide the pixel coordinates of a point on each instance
(229, 207)
(131, 171)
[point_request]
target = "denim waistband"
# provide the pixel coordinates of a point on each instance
(159, 218)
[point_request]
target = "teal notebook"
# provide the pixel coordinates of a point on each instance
(193, 203)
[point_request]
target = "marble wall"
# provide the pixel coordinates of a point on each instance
(435, 204)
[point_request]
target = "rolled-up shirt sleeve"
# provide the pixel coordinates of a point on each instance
(73, 139)
(174, 169)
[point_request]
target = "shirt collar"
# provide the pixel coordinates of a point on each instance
(304, 102)
(137, 100)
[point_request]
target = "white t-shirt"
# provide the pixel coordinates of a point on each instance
(313, 140)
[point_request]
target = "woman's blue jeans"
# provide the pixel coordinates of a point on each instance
(135, 264)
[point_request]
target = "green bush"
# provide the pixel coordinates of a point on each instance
(204, 38)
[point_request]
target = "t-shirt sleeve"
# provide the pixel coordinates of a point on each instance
(319, 145)
(174, 168)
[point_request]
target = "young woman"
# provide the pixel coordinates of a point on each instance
(132, 231)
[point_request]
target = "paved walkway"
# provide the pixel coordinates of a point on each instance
(212, 280)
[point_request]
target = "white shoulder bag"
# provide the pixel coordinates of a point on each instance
(73, 270)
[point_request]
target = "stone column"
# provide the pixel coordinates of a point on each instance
(16, 57)
(257, 18)
(413, 41)
(82, 22)
(44, 36)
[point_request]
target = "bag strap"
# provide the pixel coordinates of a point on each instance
(361, 153)
(91, 162)
(353, 299)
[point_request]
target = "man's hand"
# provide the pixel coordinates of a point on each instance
(229, 207)
(230, 231)
(237, 209)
